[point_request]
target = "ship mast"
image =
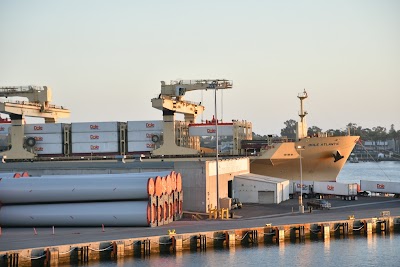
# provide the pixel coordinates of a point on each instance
(302, 125)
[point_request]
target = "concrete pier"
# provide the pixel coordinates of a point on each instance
(172, 243)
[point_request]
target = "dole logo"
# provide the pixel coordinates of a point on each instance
(39, 148)
(93, 147)
(38, 138)
(94, 127)
(150, 125)
(330, 187)
(150, 145)
(211, 130)
(94, 137)
(37, 128)
(149, 135)
(380, 186)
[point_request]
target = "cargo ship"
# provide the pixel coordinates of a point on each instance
(316, 158)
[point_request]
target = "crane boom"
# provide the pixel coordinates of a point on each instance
(38, 105)
(171, 101)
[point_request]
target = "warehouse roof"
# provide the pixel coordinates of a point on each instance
(260, 178)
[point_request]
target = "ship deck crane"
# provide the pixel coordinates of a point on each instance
(38, 105)
(171, 101)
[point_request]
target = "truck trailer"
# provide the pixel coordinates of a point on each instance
(385, 187)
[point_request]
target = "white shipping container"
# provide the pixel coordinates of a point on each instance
(295, 187)
(380, 186)
(88, 127)
(145, 125)
(209, 130)
(142, 135)
(43, 128)
(140, 146)
(4, 128)
(334, 188)
(47, 149)
(97, 137)
(109, 147)
(52, 138)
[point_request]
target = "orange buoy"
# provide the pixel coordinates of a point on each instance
(17, 175)
(25, 174)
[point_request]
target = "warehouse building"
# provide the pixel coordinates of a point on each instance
(254, 188)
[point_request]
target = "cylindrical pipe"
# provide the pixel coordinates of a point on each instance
(169, 184)
(173, 180)
(178, 182)
(48, 190)
(122, 213)
(158, 186)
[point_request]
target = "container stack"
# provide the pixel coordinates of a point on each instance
(129, 199)
(143, 136)
(48, 137)
(95, 138)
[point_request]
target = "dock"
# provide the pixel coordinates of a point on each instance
(31, 246)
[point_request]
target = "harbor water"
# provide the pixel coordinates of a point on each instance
(371, 250)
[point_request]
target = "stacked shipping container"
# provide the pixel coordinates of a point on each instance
(142, 134)
(48, 137)
(95, 138)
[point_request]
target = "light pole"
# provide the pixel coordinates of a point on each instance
(216, 139)
(301, 207)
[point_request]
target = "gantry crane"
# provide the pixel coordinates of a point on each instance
(38, 105)
(171, 101)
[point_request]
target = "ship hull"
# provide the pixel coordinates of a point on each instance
(318, 162)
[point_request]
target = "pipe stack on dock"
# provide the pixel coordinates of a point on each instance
(127, 199)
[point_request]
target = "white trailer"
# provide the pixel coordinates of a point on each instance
(295, 189)
(345, 191)
(384, 187)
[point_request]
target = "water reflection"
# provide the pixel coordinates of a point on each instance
(370, 250)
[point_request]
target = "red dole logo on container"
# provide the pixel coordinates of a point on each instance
(150, 125)
(211, 130)
(94, 127)
(94, 137)
(37, 128)
(330, 187)
(94, 147)
(380, 186)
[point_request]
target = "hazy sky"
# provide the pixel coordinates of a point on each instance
(105, 59)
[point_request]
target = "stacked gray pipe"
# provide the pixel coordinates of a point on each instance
(77, 200)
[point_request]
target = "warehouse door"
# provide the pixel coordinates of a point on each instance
(266, 197)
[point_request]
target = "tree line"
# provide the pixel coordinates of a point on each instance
(377, 133)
